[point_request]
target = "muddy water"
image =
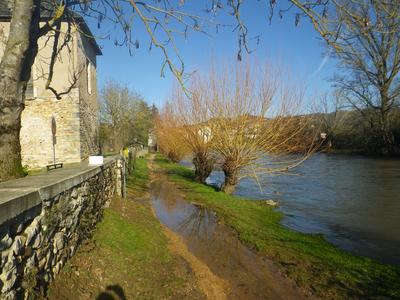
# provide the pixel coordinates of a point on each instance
(248, 275)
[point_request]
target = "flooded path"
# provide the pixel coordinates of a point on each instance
(214, 250)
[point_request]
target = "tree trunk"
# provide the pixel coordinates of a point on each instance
(384, 124)
(380, 137)
(387, 134)
(13, 80)
(172, 156)
(231, 177)
(203, 166)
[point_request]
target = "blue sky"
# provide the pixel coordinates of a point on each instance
(296, 48)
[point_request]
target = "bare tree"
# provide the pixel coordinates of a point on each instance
(333, 117)
(255, 123)
(125, 116)
(15, 68)
(245, 118)
(364, 36)
(368, 38)
(193, 114)
(117, 113)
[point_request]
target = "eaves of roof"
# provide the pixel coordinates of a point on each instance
(47, 10)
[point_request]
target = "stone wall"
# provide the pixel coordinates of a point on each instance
(44, 219)
(36, 135)
(89, 106)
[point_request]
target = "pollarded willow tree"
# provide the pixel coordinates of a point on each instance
(245, 119)
(192, 115)
(170, 134)
(256, 125)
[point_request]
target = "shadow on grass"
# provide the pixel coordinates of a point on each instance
(184, 172)
(112, 292)
(181, 171)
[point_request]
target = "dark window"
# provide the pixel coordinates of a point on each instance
(29, 94)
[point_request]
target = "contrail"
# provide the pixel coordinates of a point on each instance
(321, 65)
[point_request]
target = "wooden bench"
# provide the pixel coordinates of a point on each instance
(54, 166)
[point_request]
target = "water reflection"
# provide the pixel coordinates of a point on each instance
(200, 224)
(249, 276)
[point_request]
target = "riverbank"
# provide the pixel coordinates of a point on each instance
(358, 152)
(308, 259)
(129, 255)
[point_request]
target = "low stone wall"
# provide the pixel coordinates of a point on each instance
(44, 218)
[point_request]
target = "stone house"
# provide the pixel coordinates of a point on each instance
(152, 141)
(77, 111)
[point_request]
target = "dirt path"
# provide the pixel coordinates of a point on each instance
(210, 284)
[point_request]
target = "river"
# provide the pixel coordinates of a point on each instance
(354, 201)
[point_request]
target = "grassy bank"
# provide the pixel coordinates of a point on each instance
(128, 255)
(308, 259)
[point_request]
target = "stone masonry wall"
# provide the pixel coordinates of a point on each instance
(35, 245)
(88, 103)
(36, 134)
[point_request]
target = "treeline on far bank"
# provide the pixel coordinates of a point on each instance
(359, 132)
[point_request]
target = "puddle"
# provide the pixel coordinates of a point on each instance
(249, 276)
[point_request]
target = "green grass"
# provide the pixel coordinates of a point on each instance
(142, 238)
(308, 259)
(137, 183)
(131, 251)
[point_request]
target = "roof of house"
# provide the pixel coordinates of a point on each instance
(46, 11)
